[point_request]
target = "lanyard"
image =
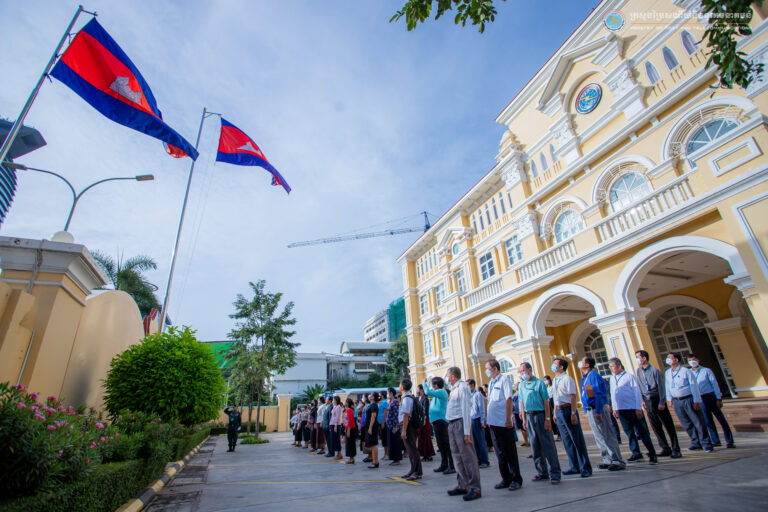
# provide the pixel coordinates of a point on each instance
(645, 372)
(617, 378)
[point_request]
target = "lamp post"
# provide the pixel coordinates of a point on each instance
(76, 196)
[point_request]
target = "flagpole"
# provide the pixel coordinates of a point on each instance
(164, 312)
(6, 147)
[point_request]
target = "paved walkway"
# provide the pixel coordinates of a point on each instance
(276, 476)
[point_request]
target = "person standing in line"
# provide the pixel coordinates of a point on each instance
(627, 403)
(336, 426)
(327, 425)
(305, 426)
(233, 428)
(534, 405)
(460, 436)
(711, 402)
(320, 432)
(500, 423)
(437, 408)
(311, 425)
(654, 400)
(294, 425)
(383, 434)
(372, 430)
(393, 431)
(567, 417)
(518, 417)
(683, 393)
(408, 405)
(594, 400)
(426, 449)
(487, 431)
(364, 427)
(477, 415)
(350, 425)
(555, 430)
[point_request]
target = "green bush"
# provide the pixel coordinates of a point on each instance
(187, 443)
(170, 375)
(104, 489)
(253, 440)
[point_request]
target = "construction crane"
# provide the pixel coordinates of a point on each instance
(359, 236)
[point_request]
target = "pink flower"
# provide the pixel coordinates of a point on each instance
(117, 434)
(51, 428)
(21, 405)
(33, 396)
(40, 417)
(20, 387)
(87, 461)
(103, 439)
(99, 426)
(93, 445)
(51, 398)
(60, 452)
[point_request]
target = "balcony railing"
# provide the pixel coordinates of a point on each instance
(547, 261)
(484, 292)
(658, 202)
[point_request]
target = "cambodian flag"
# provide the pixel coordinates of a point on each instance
(98, 70)
(235, 147)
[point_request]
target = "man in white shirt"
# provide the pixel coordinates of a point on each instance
(459, 434)
(567, 419)
(683, 393)
(627, 403)
(500, 412)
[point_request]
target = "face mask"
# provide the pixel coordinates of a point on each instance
(669, 361)
(525, 377)
(554, 367)
(581, 365)
(488, 373)
(694, 364)
(639, 361)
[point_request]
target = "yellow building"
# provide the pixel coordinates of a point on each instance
(628, 209)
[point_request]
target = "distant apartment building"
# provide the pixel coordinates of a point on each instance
(376, 329)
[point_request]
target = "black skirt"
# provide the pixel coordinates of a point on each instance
(351, 448)
(372, 438)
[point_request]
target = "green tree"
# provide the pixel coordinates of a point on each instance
(170, 374)
(262, 345)
(725, 29)
(127, 275)
(312, 392)
(397, 359)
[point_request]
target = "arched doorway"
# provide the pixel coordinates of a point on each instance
(594, 347)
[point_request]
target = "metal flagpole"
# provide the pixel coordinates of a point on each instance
(181, 221)
(20, 120)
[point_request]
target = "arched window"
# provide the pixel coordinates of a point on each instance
(652, 72)
(544, 165)
(505, 366)
(568, 224)
(534, 171)
(689, 43)
(595, 348)
(709, 131)
(669, 58)
(552, 153)
(627, 189)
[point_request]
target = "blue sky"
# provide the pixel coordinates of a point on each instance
(366, 121)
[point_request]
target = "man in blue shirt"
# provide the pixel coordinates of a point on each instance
(683, 393)
(594, 400)
(477, 415)
(534, 405)
(626, 401)
(711, 402)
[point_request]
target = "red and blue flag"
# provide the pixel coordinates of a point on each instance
(98, 70)
(235, 147)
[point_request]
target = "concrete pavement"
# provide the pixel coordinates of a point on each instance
(276, 476)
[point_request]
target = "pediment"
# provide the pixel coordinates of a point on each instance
(450, 235)
(604, 49)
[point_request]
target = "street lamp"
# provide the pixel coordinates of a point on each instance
(75, 196)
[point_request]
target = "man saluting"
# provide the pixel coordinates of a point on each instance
(235, 420)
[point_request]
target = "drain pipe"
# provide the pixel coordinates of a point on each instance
(36, 267)
(26, 356)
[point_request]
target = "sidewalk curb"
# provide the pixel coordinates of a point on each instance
(144, 496)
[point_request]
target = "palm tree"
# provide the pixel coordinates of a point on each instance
(126, 275)
(313, 392)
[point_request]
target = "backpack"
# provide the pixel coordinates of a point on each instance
(416, 418)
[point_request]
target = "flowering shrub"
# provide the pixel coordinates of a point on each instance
(43, 443)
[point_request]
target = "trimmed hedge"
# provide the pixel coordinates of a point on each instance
(107, 487)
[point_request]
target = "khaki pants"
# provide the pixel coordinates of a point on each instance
(464, 458)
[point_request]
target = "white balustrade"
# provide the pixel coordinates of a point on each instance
(547, 261)
(484, 292)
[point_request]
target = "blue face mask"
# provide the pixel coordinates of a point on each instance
(554, 367)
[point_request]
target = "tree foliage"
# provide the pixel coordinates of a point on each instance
(128, 276)
(726, 27)
(312, 392)
(262, 345)
(397, 357)
(168, 374)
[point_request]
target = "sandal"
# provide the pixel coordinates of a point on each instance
(350, 462)
(373, 466)
(414, 477)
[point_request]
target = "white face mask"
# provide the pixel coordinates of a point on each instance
(581, 365)
(488, 373)
(639, 361)
(669, 361)
(525, 377)
(554, 367)
(693, 364)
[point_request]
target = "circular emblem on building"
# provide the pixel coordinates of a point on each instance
(614, 20)
(588, 98)
(455, 249)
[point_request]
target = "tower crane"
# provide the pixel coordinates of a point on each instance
(359, 236)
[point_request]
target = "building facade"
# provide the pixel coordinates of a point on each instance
(357, 360)
(376, 329)
(310, 370)
(623, 212)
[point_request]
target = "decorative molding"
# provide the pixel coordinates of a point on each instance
(748, 143)
(562, 130)
(527, 225)
(614, 47)
(727, 324)
(512, 167)
(630, 96)
(742, 281)
(532, 342)
(623, 315)
(741, 218)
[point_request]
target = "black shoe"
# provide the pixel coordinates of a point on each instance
(571, 472)
(440, 469)
(329, 455)
(514, 486)
(676, 455)
(484, 465)
(406, 476)
(604, 466)
(539, 478)
(586, 474)
(664, 453)
(471, 495)
(394, 463)
(635, 458)
(502, 485)
(616, 467)
(653, 460)
(449, 471)
(694, 448)
(717, 444)
(456, 492)
(730, 445)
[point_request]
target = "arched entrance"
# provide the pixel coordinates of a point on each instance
(491, 338)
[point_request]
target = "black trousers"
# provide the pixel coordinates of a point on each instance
(636, 430)
(351, 444)
(232, 436)
(506, 453)
(395, 444)
(441, 436)
(661, 420)
(411, 444)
